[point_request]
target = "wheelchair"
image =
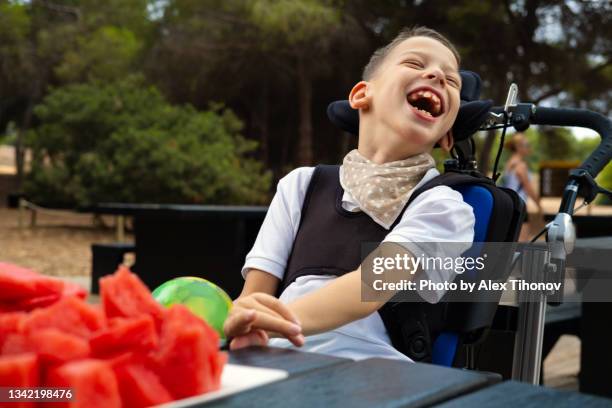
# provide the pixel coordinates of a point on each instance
(463, 326)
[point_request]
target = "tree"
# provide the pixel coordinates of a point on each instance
(31, 56)
(123, 142)
(256, 55)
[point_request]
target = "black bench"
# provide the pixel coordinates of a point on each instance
(106, 258)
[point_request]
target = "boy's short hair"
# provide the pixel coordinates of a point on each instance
(380, 54)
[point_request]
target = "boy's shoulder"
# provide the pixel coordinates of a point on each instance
(297, 176)
(437, 193)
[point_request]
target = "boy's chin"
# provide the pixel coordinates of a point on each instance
(422, 141)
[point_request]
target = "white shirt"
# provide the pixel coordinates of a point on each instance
(437, 215)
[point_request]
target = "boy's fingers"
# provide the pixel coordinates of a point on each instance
(239, 342)
(253, 302)
(298, 340)
(276, 305)
(275, 324)
(239, 323)
(262, 337)
(254, 338)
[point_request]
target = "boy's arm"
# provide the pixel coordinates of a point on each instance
(327, 308)
(259, 281)
(340, 302)
(334, 305)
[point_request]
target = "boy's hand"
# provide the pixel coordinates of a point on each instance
(254, 314)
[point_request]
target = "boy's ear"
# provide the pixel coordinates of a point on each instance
(446, 142)
(359, 98)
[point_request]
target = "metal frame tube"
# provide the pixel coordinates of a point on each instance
(527, 359)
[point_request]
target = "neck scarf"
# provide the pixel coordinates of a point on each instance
(382, 190)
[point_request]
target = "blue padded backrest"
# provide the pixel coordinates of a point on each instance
(481, 201)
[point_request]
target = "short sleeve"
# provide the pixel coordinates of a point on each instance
(277, 233)
(438, 216)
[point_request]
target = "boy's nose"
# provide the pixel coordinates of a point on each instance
(435, 74)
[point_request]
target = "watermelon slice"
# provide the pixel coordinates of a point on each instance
(140, 387)
(93, 383)
(71, 315)
(51, 345)
(183, 360)
(70, 289)
(19, 370)
(123, 294)
(145, 354)
(10, 323)
(18, 283)
(123, 334)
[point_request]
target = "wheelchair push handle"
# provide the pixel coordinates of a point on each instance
(522, 115)
(602, 155)
(525, 114)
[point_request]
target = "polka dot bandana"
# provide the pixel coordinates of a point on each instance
(382, 190)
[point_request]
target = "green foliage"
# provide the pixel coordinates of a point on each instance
(297, 21)
(107, 54)
(14, 28)
(123, 142)
(605, 180)
(14, 22)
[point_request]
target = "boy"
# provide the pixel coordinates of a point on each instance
(309, 243)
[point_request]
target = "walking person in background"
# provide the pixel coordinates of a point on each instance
(518, 178)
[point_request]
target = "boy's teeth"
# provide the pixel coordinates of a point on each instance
(424, 111)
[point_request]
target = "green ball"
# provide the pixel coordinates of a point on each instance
(202, 297)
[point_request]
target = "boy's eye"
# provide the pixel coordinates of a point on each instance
(414, 64)
(453, 81)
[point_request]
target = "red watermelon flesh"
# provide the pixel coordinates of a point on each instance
(16, 343)
(182, 360)
(122, 334)
(51, 345)
(156, 353)
(93, 382)
(10, 323)
(20, 283)
(217, 362)
(19, 371)
(123, 294)
(71, 315)
(140, 387)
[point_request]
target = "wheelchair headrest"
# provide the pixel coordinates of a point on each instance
(472, 112)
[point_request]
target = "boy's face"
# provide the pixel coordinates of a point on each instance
(413, 97)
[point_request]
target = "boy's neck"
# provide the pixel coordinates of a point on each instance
(379, 149)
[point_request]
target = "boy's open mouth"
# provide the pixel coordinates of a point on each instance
(426, 101)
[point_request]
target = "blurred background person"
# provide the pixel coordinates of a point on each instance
(518, 177)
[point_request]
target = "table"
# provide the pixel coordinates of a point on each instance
(595, 325)
(515, 394)
(191, 240)
(321, 381)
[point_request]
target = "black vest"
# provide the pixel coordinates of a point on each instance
(329, 242)
(329, 238)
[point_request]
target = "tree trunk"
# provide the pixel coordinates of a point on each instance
(304, 154)
(262, 116)
(485, 153)
(20, 145)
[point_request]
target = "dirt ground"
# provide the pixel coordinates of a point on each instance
(58, 245)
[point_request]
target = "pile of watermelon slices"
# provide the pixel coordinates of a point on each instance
(127, 351)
